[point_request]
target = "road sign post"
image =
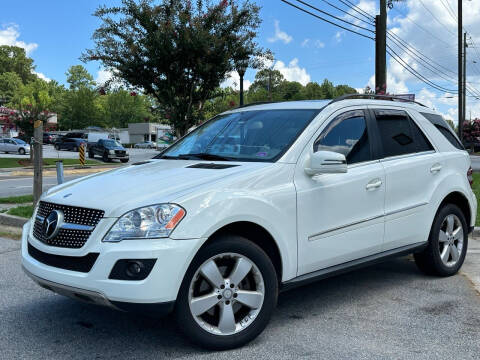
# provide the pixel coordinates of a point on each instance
(81, 154)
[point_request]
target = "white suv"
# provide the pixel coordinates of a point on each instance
(257, 200)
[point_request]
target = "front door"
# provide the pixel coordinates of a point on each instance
(340, 217)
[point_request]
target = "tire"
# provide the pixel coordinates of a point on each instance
(105, 157)
(442, 242)
(124, 160)
(226, 251)
(57, 147)
(91, 155)
(21, 151)
(75, 149)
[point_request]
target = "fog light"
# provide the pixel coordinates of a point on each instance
(134, 268)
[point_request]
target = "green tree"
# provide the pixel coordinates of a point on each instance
(80, 109)
(344, 90)
(78, 77)
(312, 91)
(122, 107)
(327, 89)
(10, 84)
(176, 51)
(32, 103)
(14, 59)
(262, 80)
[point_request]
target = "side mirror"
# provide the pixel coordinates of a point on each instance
(326, 162)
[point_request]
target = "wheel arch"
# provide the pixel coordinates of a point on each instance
(258, 235)
(459, 199)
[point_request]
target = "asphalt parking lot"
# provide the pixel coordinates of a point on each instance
(388, 311)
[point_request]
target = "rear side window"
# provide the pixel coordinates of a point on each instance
(346, 134)
(444, 128)
(399, 134)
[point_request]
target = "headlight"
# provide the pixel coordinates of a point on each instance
(150, 222)
(111, 152)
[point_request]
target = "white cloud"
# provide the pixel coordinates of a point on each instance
(339, 36)
(9, 36)
(280, 35)
(42, 76)
(313, 43)
(233, 81)
(293, 72)
(103, 76)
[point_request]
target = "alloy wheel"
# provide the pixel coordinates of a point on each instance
(226, 294)
(450, 240)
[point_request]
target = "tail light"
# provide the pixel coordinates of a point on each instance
(470, 176)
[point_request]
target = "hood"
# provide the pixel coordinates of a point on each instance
(156, 181)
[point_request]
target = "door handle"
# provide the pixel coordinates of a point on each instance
(435, 168)
(373, 184)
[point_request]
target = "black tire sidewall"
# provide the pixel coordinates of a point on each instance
(21, 151)
(228, 244)
(440, 267)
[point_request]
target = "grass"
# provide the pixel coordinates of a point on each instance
(476, 190)
(16, 162)
(25, 211)
(17, 199)
(11, 235)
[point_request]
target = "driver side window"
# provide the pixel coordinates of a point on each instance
(346, 134)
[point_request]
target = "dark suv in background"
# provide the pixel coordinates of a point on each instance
(64, 143)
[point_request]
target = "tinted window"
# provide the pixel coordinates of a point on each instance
(444, 128)
(399, 134)
(346, 134)
(257, 135)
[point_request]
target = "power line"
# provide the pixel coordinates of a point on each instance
(433, 15)
(450, 10)
(333, 16)
(415, 73)
(349, 14)
(357, 9)
(328, 21)
(420, 26)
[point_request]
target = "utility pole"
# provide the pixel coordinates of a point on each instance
(37, 160)
(381, 49)
(464, 86)
(269, 84)
(461, 115)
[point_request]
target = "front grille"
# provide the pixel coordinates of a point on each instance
(70, 237)
(74, 263)
(120, 152)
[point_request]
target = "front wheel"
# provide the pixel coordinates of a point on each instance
(21, 151)
(124, 160)
(228, 294)
(91, 155)
(447, 243)
(57, 147)
(105, 157)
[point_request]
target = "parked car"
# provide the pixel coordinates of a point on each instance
(258, 200)
(145, 145)
(472, 144)
(14, 145)
(49, 138)
(109, 150)
(76, 135)
(64, 143)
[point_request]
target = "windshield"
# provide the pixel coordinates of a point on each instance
(19, 142)
(261, 135)
(111, 143)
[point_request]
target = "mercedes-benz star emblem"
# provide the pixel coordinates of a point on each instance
(52, 224)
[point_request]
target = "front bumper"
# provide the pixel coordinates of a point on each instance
(119, 157)
(161, 286)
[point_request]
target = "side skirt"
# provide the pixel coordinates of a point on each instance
(351, 265)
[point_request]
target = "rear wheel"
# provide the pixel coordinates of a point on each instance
(447, 244)
(228, 294)
(75, 149)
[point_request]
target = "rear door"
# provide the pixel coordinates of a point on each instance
(411, 169)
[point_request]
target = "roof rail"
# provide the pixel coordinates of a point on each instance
(374, 97)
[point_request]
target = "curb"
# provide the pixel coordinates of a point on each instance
(476, 231)
(11, 220)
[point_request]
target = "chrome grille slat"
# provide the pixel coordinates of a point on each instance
(79, 223)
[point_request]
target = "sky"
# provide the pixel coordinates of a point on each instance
(56, 32)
